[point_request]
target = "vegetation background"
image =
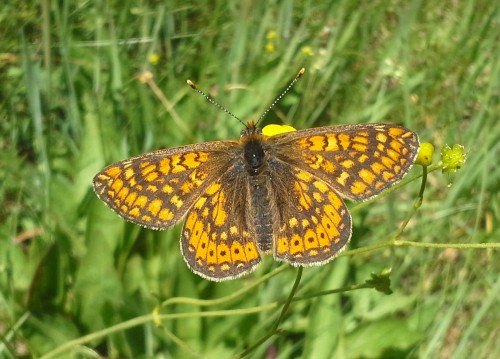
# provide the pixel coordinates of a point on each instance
(78, 281)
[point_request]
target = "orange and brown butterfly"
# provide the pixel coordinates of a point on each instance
(264, 193)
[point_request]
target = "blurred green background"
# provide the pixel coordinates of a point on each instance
(71, 103)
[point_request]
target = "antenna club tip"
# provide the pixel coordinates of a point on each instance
(192, 84)
(302, 71)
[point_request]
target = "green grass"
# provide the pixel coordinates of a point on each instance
(71, 104)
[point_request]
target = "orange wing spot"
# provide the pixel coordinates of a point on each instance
(282, 245)
(165, 215)
(317, 197)
(332, 144)
(363, 158)
(321, 186)
(296, 245)
(155, 206)
(213, 188)
(200, 202)
(233, 230)
(343, 178)
(310, 240)
(191, 220)
(176, 165)
(131, 198)
(188, 186)
(202, 247)
(147, 170)
(117, 185)
(176, 201)
(387, 176)
(293, 222)
(167, 189)
(347, 164)
(152, 188)
(381, 147)
(219, 215)
(377, 167)
(111, 194)
(330, 226)
(212, 253)
(146, 218)
(345, 141)
(205, 212)
(191, 160)
(305, 223)
(396, 146)
(124, 208)
(359, 147)
(321, 232)
(335, 200)
(165, 166)
(152, 176)
(379, 185)
(251, 251)
(381, 137)
(238, 252)
(129, 173)
(333, 213)
(144, 164)
(132, 182)
(123, 193)
(358, 187)
(313, 143)
(397, 169)
(387, 161)
(398, 132)
(361, 139)
(223, 253)
(113, 171)
(304, 176)
(135, 212)
(367, 176)
(141, 201)
(393, 154)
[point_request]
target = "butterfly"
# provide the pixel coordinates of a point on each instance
(280, 194)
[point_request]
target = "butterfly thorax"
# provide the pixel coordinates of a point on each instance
(253, 149)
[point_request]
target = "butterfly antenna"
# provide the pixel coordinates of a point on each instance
(212, 101)
(294, 81)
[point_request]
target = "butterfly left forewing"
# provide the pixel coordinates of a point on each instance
(156, 189)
